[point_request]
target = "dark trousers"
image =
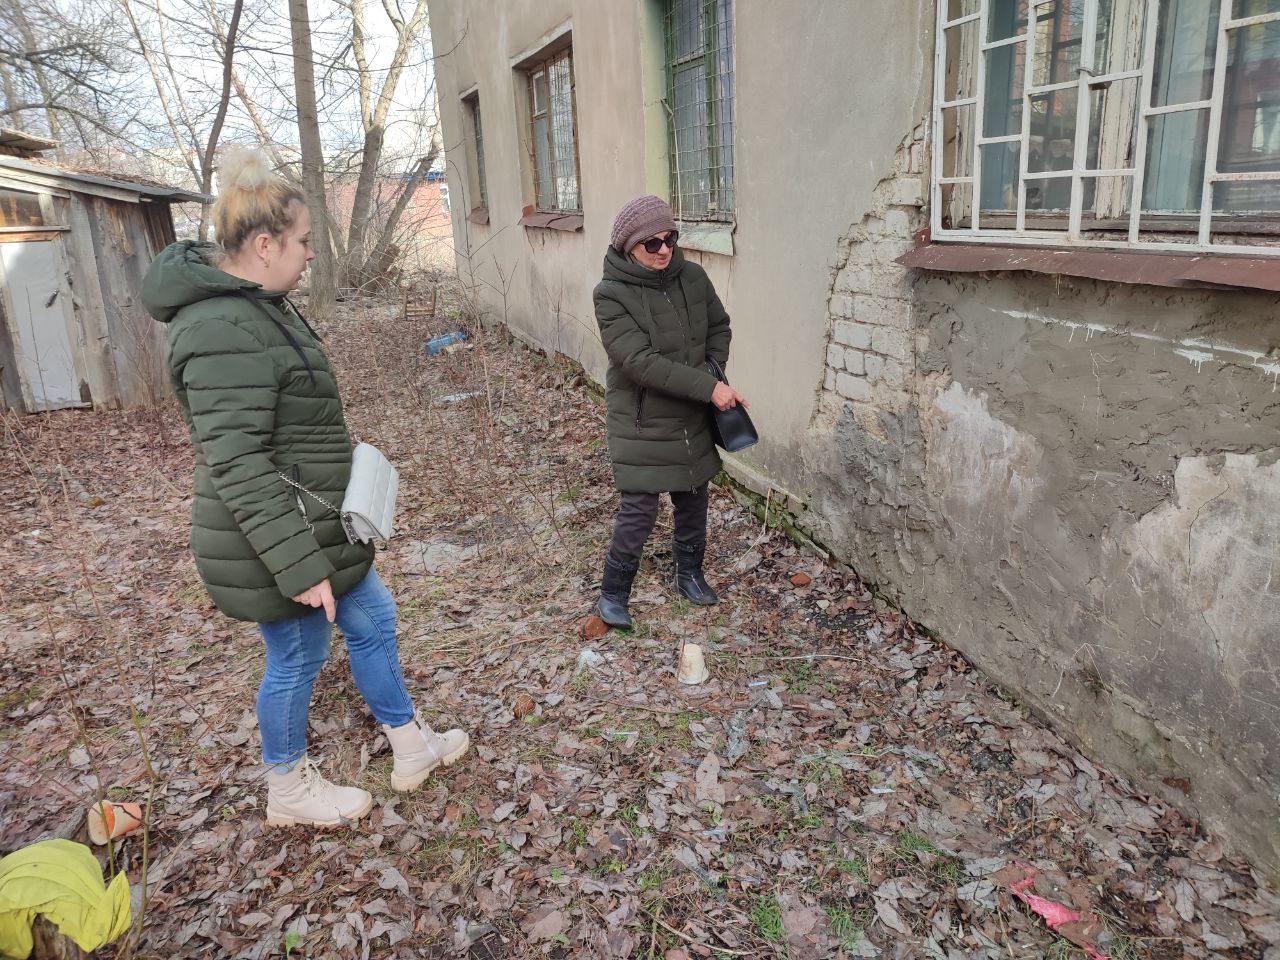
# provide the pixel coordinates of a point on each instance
(639, 512)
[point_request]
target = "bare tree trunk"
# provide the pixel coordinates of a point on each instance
(29, 41)
(324, 293)
(161, 93)
(374, 116)
(379, 261)
(211, 147)
(10, 96)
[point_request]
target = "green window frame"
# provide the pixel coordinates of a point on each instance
(700, 108)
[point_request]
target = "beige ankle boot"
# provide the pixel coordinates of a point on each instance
(302, 796)
(418, 750)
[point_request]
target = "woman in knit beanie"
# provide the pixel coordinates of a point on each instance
(660, 321)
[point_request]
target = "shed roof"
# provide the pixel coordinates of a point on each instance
(21, 140)
(85, 181)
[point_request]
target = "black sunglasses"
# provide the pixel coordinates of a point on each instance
(654, 244)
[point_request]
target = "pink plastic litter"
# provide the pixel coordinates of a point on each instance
(1055, 915)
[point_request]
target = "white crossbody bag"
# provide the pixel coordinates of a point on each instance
(369, 505)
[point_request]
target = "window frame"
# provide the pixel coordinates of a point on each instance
(532, 70)
(475, 137)
(709, 53)
(1143, 230)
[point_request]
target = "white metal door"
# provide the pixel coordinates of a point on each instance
(39, 307)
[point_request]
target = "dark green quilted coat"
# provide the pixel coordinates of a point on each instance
(658, 330)
(254, 410)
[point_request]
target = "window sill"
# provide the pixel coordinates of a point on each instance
(707, 237)
(1118, 266)
(568, 222)
(479, 216)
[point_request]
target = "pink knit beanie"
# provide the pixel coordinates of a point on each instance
(639, 220)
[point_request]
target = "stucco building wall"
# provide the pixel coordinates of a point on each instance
(1074, 482)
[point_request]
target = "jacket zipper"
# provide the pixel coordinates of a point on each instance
(640, 407)
(684, 326)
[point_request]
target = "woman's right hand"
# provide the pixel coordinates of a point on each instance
(724, 397)
(321, 595)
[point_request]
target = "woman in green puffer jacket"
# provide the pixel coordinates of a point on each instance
(262, 408)
(660, 321)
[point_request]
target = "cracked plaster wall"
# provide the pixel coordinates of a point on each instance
(1076, 484)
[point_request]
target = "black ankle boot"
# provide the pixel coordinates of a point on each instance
(689, 579)
(615, 592)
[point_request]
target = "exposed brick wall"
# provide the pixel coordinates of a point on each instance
(871, 350)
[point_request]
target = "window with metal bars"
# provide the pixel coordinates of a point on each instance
(554, 135)
(699, 40)
(472, 103)
(1147, 123)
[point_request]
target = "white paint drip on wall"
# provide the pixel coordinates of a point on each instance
(1194, 350)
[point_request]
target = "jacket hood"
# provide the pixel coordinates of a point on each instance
(618, 267)
(183, 274)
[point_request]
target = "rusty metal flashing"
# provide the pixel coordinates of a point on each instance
(1117, 266)
(569, 222)
(479, 216)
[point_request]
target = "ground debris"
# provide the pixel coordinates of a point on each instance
(842, 785)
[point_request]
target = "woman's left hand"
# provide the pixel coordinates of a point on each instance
(321, 595)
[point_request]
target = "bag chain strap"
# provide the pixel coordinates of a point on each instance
(320, 500)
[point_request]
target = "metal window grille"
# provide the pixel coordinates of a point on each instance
(699, 37)
(1113, 123)
(478, 130)
(554, 131)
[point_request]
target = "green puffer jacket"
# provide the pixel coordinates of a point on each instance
(255, 407)
(658, 330)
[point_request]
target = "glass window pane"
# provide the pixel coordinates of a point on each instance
(542, 163)
(1059, 30)
(1002, 106)
(687, 28)
(962, 62)
(1118, 43)
(957, 206)
(691, 147)
(1251, 197)
(1251, 106)
(1113, 125)
(1186, 45)
(999, 176)
(564, 147)
(1254, 8)
(540, 92)
(19, 209)
(1175, 162)
(1051, 194)
(957, 141)
(1006, 18)
(1052, 131)
(961, 8)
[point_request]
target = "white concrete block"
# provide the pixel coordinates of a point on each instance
(908, 192)
(835, 357)
(852, 334)
(841, 306)
(852, 388)
(853, 361)
(829, 380)
(873, 366)
(890, 342)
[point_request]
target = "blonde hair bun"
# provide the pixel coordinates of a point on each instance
(244, 167)
(252, 199)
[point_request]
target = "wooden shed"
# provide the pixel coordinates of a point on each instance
(74, 246)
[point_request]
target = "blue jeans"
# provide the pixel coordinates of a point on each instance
(298, 648)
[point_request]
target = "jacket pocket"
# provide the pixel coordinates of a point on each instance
(640, 407)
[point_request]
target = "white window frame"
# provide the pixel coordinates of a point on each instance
(1071, 236)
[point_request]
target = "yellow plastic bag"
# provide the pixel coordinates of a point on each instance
(62, 881)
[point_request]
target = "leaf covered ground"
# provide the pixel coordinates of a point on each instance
(843, 785)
